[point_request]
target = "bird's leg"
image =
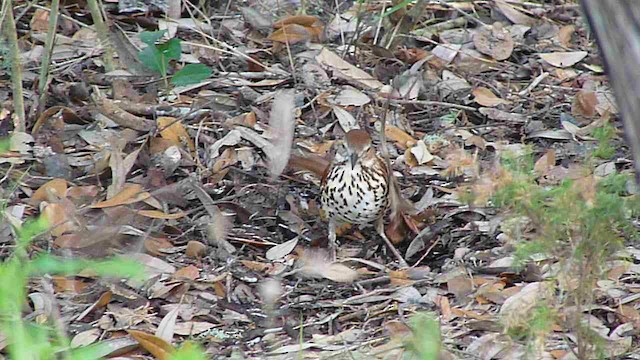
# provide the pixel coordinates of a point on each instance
(396, 253)
(332, 239)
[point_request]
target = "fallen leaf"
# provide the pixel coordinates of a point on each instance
(282, 122)
(167, 325)
(584, 104)
(281, 250)
(188, 272)
(396, 134)
(131, 193)
(563, 59)
(345, 119)
(304, 20)
(514, 15)
(343, 69)
(565, 34)
(349, 96)
(486, 97)
(153, 344)
(59, 217)
(156, 214)
(195, 249)
(293, 34)
(173, 130)
(85, 338)
(545, 163)
(189, 328)
(51, 190)
(494, 41)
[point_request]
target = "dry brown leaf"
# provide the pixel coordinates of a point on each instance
(173, 130)
(190, 328)
(564, 59)
(292, 34)
(52, 190)
(82, 194)
(545, 163)
(315, 264)
(188, 272)
(153, 344)
(584, 104)
(304, 20)
(195, 249)
(256, 265)
(339, 273)
(494, 41)
(514, 15)
(396, 134)
(515, 309)
(282, 122)
(40, 20)
(156, 214)
(59, 217)
(486, 97)
(154, 245)
(63, 284)
(345, 70)
(565, 34)
(255, 19)
(460, 286)
(586, 188)
(499, 115)
(131, 193)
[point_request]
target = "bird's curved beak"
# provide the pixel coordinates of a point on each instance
(354, 159)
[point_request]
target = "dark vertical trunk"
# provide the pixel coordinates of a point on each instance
(616, 27)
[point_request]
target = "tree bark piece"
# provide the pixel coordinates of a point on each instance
(616, 26)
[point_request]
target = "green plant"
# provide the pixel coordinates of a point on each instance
(579, 223)
(425, 342)
(158, 54)
(604, 135)
(30, 340)
(189, 351)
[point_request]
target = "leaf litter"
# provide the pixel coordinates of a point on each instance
(195, 181)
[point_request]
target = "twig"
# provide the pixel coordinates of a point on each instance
(11, 35)
(103, 34)
(48, 50)
(464, 13)
(534, 83)
(391, 184)
(433, 103)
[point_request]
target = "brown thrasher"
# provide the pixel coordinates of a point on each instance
(354, 187)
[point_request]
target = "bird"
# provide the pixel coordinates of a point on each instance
(355, 186)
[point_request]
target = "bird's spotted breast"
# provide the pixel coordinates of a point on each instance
(355, 195)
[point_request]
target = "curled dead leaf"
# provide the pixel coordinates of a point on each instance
(486, 97)
(131, 193)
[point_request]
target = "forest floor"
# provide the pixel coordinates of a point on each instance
(501, 129)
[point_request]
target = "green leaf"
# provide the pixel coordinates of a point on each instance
(191, 74)
(152, 37)
(152, 58)
(189, 351)
(171, 49)
(117, 267)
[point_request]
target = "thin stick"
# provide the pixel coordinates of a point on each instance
(11, 35)
(103, 34)
(45, 65)
(433, 103)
